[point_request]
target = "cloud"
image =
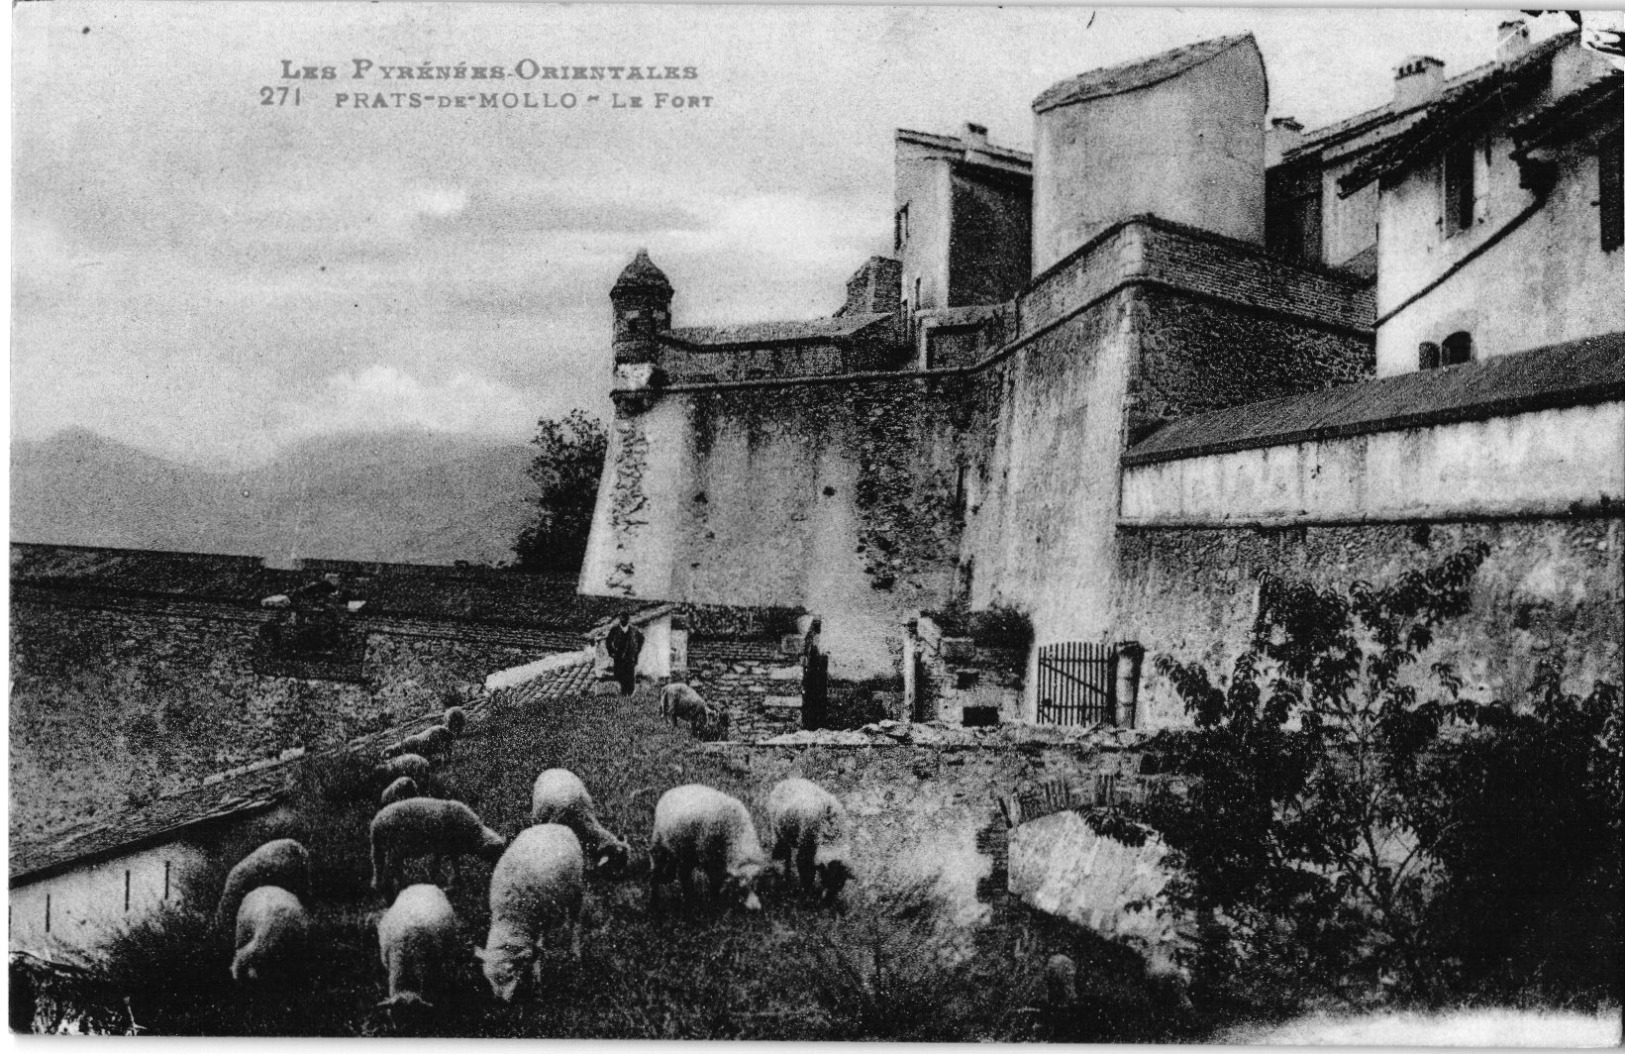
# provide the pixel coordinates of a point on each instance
(383, 398)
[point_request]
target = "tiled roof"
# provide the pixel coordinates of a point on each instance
(839, 328)
(1379, 124)
(1459, 111)
(547, 601)
(1142, 73)
(1579, 372)
(1576, 112)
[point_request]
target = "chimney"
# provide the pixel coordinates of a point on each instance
(1511, 40)
(1283, 134)
(975, 135)
(1417, 81)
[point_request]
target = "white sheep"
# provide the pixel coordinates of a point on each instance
(456, 719)
(421, 945)
(680, 701)
(283, 862)
(415, 765)
(427, 827)
(810, 834)
(559, 796)
(699, 827)
(272, 930)
(402, 789)
(539, 883)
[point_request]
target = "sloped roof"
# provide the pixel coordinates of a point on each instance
(1460, 111)
(1141, 73)
(949, 142)
(717, 338)
(1384, 121)
(1572, 374)
(1574, 113)
(641, 274)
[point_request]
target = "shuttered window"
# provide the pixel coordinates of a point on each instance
(1458, 188)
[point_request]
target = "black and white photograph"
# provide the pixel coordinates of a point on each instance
(1015, 524)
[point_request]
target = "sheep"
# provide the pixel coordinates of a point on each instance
(699, 827)
(456, 719)
(538, 883)
(420, 943)
(427, 827)
(272, 929)
(560, 797)
(283, 862)
(434, 741)
(810, 835)
(402, 789)
(681, 701)
(414, 765)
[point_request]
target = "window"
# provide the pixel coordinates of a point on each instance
(1457, 349)
(900, 234)
(1458, 188)
(1292, 218)
(1610, 192)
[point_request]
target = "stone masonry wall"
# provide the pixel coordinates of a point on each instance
(944, 817)
(756, 682)
(151, 699)
(1549, 589)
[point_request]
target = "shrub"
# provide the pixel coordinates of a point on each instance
(1336, 828)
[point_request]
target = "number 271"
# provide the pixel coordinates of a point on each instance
(278, 96)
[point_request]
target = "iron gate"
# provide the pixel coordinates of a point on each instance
(1077, 683)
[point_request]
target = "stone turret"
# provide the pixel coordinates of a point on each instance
(642, 301)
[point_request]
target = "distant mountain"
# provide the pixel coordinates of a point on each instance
(411, 497)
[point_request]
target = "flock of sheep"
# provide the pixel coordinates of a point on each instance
(539, 880)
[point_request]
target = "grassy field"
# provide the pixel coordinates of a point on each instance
(889, 965)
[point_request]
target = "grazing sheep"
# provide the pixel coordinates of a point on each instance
(810, 835)
(456, 719)
(560, 797)
(699, 827)
(283, 862)
(434, 741)
(421, 945)
(402, 789)
(538, 883)
(272, 929)
(427, 827)
(679, 701)
(415, 765)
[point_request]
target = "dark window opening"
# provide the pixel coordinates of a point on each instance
(900, 233)
(1292, 220)
(1427, 355)
(1611, 191)
(1458, 188)
(1457, 349)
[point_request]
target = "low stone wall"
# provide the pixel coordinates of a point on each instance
(981, 822)
(759, 685)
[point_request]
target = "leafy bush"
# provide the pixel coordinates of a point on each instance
(1002, 626)
(569, 460)
(1337, 836)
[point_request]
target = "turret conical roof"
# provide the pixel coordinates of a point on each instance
(641, 275)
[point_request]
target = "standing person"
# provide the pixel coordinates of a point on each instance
(624, 643)
(814, 677)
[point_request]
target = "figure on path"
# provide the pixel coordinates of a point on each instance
(624, 643)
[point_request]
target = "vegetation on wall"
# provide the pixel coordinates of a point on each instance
(1357, 827)
(568, 463)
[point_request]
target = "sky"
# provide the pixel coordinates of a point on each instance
(212, 279)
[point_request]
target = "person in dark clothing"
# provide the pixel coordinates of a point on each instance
(814, 678)
(624, 643)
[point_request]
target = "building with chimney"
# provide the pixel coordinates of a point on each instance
(1239, 346)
